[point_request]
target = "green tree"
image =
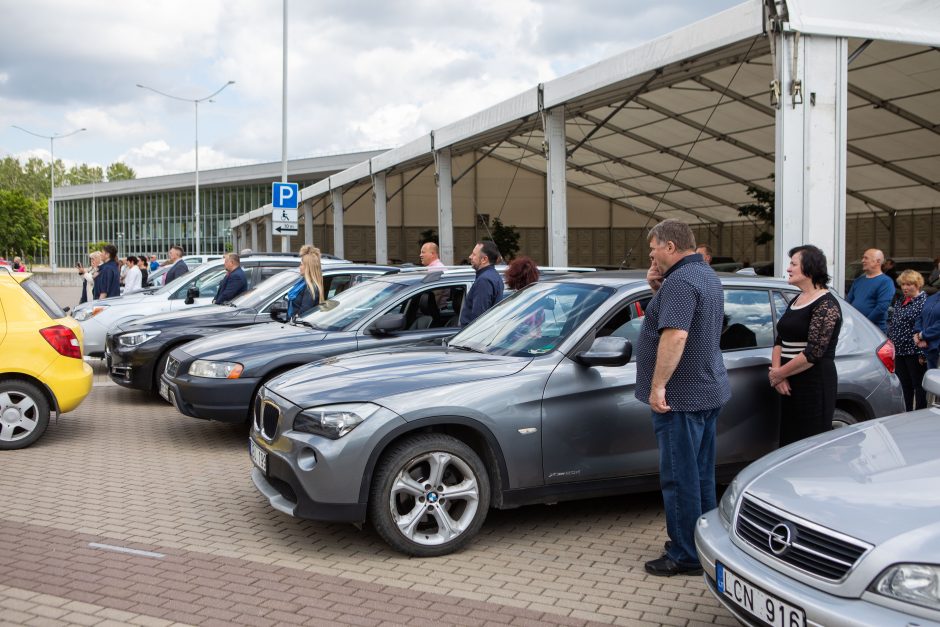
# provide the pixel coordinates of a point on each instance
(84, 174)
(30, 177)
(763, 210)
(22, 222)
(120, 171)
(93, 246)
(506, 239)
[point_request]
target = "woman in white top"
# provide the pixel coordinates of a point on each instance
(132, 276)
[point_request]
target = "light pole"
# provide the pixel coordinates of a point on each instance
(51, 139)
(195, 102)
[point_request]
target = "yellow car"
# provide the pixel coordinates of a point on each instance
(41, 365)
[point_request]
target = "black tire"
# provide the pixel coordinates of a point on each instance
(842, 418)
(21, 426)
(158, 372)
(458, 465)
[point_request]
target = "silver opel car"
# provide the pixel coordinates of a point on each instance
(531, 403)
(838, 529)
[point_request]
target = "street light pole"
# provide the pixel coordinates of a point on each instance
(51, 138)
(195, 102)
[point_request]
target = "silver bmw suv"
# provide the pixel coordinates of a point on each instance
(531, 403)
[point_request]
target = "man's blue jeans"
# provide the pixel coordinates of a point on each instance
(686, 475)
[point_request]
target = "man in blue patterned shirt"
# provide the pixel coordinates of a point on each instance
(681, 375)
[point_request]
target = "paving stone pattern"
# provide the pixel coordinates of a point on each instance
(126, 470)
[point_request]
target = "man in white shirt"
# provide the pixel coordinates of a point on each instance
(430, 256)
(132, 276)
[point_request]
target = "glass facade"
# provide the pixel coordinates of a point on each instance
(150, 222)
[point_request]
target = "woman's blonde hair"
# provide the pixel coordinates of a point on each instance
(913, 277)
(310, 270)
(95, 256)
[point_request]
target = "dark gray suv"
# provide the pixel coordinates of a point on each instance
(532, 403)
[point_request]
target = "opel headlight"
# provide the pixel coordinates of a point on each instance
(129, 340)
(914, 583)
(216, 369)
(333, 421)
(84, 314)
(729, 501)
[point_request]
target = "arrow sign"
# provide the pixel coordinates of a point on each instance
(286, 229)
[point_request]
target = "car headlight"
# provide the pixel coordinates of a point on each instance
(216, 369)
(136, 339)
(914, 583)
(333, 421)
(729, 501)
(84, 314)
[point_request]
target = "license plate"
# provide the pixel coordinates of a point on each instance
(755, 601)
(165, 391)
(258, 457)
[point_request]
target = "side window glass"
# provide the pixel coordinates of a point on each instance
(335, 284)
(205, 282)
(432, 309)
(626, 321)
(781, 301)
(268, 272)
(748, 322)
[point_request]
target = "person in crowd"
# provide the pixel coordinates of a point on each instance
(520, 272)
(871, 293)
(889, 271)
(681, 375)
(429, 256)
(910, 363)
(706, 252)
(803, 369)
(133, 280)
(154, 264)
(307, 291)
(179, 267)
(487, 288)
(18, 265)
(927, 330)
(235, 281)
(108, 281)
(88, 276)
(144, 268)
(934, 279)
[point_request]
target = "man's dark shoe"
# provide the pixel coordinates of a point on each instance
(665, 567)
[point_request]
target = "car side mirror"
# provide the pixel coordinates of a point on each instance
(191, 295)
(388, 324)
(607, 351)
(279, 311)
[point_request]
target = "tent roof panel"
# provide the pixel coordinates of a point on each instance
(910, 21)
(913, 143)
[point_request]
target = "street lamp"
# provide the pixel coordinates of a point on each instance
(51, 139)
(195, 102)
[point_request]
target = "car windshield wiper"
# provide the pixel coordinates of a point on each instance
(464, 347)
(305, 323)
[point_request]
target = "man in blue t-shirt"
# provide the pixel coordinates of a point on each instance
(872, 291)
(681, 375)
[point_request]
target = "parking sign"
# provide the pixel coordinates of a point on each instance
(285, 195)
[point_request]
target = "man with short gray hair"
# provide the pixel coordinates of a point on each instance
(681, 375)
(872, 291)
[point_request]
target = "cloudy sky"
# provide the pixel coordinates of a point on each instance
(362, 75)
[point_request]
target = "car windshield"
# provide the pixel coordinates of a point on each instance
(264, 291)
(533, 321)
(352, 305)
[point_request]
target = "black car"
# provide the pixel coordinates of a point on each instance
(217, 377)
(137, 352)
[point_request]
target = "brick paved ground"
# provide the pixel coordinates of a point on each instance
(128, 471)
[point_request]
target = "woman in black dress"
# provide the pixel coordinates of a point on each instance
(803, 369)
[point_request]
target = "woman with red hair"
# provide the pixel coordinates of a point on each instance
(521, 271)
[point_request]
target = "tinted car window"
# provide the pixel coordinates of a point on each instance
(257, 296)
(781, 300)
(533, 321)
(432, 308)
(352, 305)
(42, 299)
(748, 321)
(626, 321)
(207, 284)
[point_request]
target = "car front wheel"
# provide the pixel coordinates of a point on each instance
(24, 414)
(430, 495)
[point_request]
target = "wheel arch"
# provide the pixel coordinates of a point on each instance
(19, 376)
(469, 431)
(855, 405)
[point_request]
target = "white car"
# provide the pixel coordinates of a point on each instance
(197, 287)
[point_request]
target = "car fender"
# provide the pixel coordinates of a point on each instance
(21, 376)
(433, 423)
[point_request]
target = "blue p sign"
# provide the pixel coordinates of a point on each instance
(285, 195)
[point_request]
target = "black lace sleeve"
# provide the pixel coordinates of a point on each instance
(822, 325)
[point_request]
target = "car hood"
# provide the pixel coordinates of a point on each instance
(202, 314)
(873, 482)
(370, 376)
(234, 344)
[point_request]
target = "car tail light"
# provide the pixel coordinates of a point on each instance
(64, 341)
(885, 353)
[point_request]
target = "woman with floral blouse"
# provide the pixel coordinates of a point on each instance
(910, 363)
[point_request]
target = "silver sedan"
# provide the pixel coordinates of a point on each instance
(838, 529)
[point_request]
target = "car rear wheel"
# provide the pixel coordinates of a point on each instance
(24, 414)
(430, 495)
(842, 418)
